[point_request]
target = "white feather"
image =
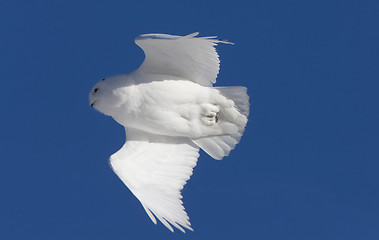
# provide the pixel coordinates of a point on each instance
(155, 168)
(188, 57)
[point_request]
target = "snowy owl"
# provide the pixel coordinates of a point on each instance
(170, 110)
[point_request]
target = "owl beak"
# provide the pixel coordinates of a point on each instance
(93, 103)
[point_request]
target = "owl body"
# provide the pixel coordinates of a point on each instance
(170, 107)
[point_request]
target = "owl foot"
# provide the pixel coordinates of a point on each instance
(209, 114)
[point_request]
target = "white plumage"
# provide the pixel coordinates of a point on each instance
(169, 110)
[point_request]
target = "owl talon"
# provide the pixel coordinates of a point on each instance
(209, 114)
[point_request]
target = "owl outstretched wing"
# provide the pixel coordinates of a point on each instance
(190, 57)
(155, 169)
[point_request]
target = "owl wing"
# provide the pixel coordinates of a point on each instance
(155, 169)
(191, 58)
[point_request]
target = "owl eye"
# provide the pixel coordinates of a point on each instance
(103, 79)
(95, 90)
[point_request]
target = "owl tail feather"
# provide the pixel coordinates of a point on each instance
(234, 117)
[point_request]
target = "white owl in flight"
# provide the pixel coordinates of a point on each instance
(169, 110)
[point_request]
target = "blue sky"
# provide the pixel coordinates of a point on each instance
(306, 168)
